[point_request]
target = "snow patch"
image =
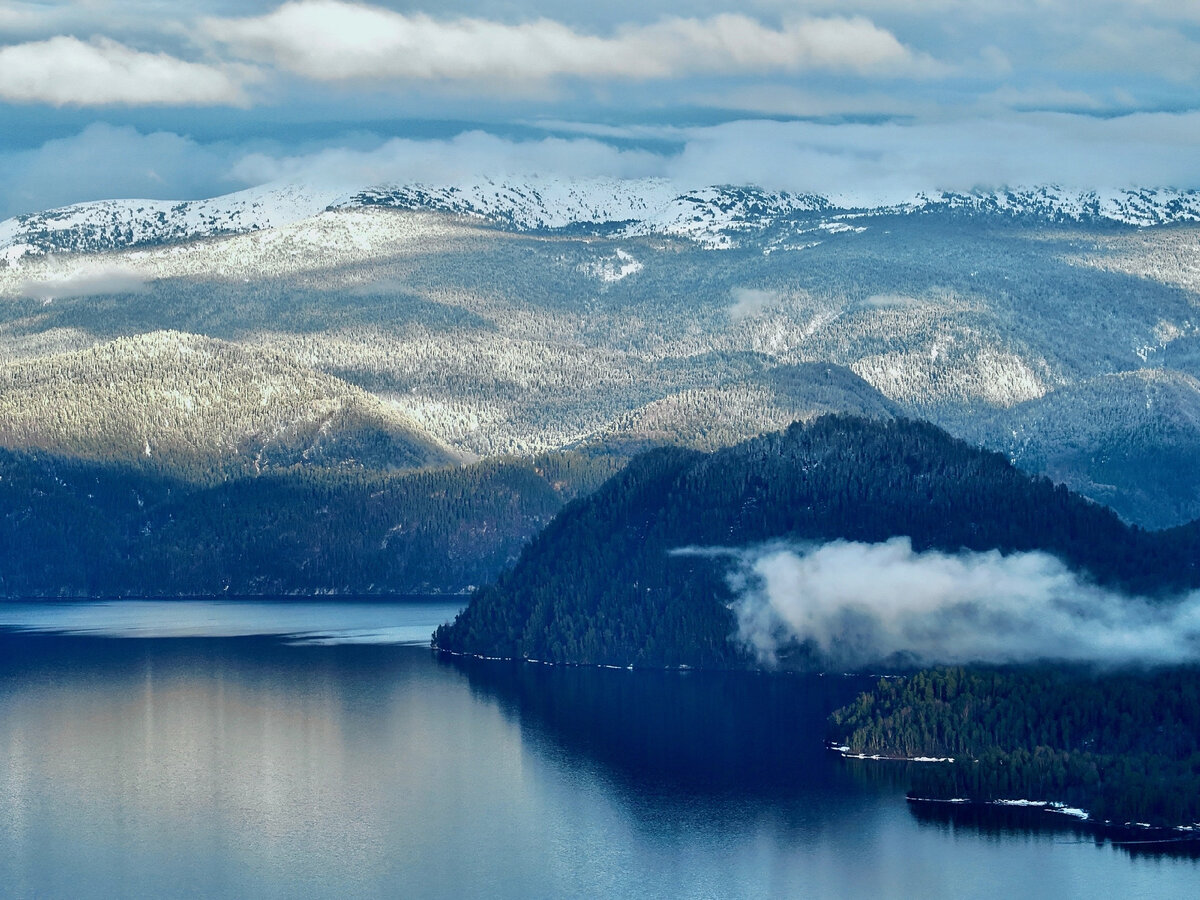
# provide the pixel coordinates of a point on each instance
(612, 268)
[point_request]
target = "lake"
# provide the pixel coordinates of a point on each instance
(311, 750)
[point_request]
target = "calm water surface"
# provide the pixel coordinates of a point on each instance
(214, 758)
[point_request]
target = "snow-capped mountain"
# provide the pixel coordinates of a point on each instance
(530, 205)
(1141, 208)
(593, 326)
(715, 216)
(711, 216)
(113, 224)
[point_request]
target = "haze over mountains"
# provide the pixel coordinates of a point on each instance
(394, 327)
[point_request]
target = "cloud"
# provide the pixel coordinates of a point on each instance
(749, 302)
(1135, 47)
(892, 161)
(89, 281)
(855, 163)
(65, 71)
(471, 155)
(762, 97)
(16, 17)
(330, 40)
(104, 161)
(858, 604)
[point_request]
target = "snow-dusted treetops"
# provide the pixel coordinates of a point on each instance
(402, 326)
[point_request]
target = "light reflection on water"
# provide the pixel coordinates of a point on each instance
(250, 767)
(301, 621)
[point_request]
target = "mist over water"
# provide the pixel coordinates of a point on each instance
(858, 604)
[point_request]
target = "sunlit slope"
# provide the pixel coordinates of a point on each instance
(716, 216)
(502, 341)
(710, 418)
(201, 408)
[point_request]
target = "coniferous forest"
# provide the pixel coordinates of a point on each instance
(602, 584)
(1125, 746)
(78, 529)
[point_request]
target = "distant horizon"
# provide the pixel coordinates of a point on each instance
(839, 197)
(880, 97)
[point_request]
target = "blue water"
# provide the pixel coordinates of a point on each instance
(248, 756)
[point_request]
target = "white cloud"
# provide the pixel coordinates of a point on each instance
(749, 302)
(330, 40)
(892, 161)
(775, 99)
(65, 71)
(88, 281)
(863, 603)
(18, 16)
(888, 162)
(1044, 97)
(1135, 47)
(103, 162)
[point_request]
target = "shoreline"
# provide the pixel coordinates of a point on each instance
(1082, 816)
(845, 753)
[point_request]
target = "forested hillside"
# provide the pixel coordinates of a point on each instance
(71, 528)
(1016, 332)
(1127, 438)
(602, 584)
(201, 409)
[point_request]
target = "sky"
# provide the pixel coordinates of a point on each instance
(882, 98)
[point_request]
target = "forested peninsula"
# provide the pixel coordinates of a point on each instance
(1124, 746)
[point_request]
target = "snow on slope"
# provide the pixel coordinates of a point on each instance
(1142, 208)
(532, 204)
(714, 217)
(110, 224)
(710, 216)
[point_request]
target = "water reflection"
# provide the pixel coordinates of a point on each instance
(345, 621)
(703, 733)
(1008, 823)
(247, 767)
(240, 768)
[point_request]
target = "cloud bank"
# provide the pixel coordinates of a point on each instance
(329, 40)
(471, 155)
(855, 164)
(105, 162)
(886, 162)
(859, 604)
(65, 71)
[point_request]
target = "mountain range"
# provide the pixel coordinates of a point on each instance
(386, 328)
(713, 216)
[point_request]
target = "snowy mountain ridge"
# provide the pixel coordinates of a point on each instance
(116, 224)
(716, 217)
